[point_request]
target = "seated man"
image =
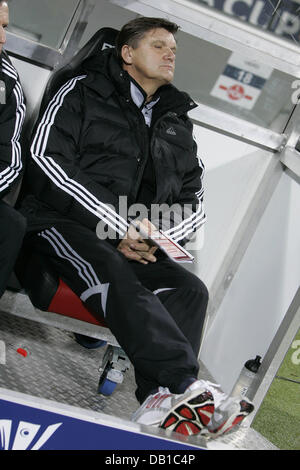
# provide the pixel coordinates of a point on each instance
(120, 131)
(12, 112)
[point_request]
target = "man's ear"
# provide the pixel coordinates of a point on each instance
(126, 53)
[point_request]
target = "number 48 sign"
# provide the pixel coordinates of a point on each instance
(241, 81)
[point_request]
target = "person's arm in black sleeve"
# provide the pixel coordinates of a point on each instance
(64, 185)
(186, 215)
(12, 113)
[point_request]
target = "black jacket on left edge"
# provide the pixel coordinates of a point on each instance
(12, 113)
(92, 144)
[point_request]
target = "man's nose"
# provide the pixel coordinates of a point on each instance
(170, 55)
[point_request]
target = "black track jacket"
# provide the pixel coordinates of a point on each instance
(91, 146)
(12, 113)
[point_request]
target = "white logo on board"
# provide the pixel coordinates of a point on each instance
(24, 435)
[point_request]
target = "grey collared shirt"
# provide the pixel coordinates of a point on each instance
(138, 99)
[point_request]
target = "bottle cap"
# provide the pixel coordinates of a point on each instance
(253, 364)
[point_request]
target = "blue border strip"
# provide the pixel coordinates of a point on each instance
(77, 434)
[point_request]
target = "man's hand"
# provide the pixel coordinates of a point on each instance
(134, 247)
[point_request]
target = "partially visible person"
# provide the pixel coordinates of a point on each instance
(12, 113)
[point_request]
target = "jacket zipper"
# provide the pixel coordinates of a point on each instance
(138, 173)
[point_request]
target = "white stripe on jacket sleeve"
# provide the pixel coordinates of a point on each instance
(188, 225)
(51, 168)
(12, 171)
(195, 220)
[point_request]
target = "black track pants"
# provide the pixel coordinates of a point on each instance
(155, 311)
(12, 230)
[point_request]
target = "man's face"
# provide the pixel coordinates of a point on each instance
(4, 19)
(154, 58)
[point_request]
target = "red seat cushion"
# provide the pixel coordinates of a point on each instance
(65, 302)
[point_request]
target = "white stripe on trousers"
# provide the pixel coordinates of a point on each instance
(83, 267)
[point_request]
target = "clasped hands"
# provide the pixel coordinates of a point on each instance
(136, 248)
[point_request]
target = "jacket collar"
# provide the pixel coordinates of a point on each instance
(139, 97)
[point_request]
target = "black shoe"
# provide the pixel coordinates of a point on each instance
(89, 343)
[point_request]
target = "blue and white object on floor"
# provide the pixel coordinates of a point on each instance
(107, 387)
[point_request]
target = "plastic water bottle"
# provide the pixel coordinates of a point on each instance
(246, 377)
